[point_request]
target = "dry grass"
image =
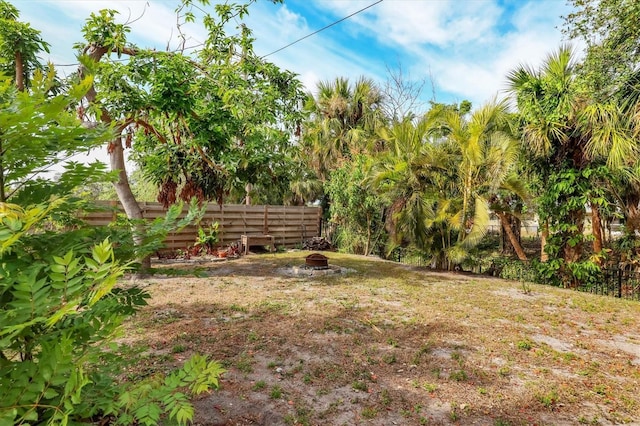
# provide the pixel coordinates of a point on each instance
(389, 344)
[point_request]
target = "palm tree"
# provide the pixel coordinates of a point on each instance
(413, 177)
(343, 119)
(570, 136)
(488, 154)
(440, 173)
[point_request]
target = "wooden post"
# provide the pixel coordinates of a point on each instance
(114, 214)
(266, 220)
(248, 187)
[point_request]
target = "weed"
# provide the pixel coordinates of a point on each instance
(501, 422)
(359, 386)
(584, 421)
(389, 358)
(307, 379)
(436, 372)
(483, 391)
(260, 384)
(548, 399)
(385, 398)
(274, 307)
(178, 349)
(504, 371)
(298, 368)
(392, 342)
(244, 364)
(453, 413)
(350, 304)
(276, 392)
(252, 336)
(369, 413)
(524, 345)
(457, 356)
(429, 387)
(600, 389)
(424, 349)
(458, 376)
(238, 308)
(301, 417)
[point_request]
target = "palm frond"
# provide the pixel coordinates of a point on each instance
(481, 218)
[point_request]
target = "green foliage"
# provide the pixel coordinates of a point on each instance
(439, 175)
(19, 46)
(206, 123)
(60, 302)
(151, 235)
(611, 33)
(207, 239)
(342, 121)
(39, 130)
(60, 310)
(562, 207)
(355, 208)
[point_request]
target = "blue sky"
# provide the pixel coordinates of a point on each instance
(462, 48)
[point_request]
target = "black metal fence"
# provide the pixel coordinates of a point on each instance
(614, 282)
(621, 283)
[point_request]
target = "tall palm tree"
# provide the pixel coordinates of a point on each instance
(343, 120)
(568, 132)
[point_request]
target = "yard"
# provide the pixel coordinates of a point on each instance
(387, 344)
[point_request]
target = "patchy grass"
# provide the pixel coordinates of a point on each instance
(389, 343)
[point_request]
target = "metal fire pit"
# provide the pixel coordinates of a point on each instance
(317, 261)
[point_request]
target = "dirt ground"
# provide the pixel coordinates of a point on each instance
(384, 344)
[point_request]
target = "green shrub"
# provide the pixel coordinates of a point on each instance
(60, 310)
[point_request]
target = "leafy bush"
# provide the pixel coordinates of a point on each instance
(207, 240)
(355, 209)
(60, 310)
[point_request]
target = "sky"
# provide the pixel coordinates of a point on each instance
(460, 49)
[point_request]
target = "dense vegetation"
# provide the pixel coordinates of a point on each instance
(222, 124)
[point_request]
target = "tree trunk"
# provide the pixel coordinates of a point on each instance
(573, 254)
(596, 228)
(125, 195)
(116, 158)
(632, 215)
(19, 72)
(513, 239)
(544, 257)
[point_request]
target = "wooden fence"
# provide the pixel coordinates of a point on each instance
(289, 225)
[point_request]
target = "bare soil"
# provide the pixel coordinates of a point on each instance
(387, 344)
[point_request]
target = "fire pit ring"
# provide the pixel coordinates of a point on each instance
(317, 261)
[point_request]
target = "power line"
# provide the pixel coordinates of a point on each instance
(322, 29)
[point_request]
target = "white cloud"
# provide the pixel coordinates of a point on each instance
(467, 46)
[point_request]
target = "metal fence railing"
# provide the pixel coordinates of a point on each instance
(617, 282)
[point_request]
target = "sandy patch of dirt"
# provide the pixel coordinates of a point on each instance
(391, 345)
